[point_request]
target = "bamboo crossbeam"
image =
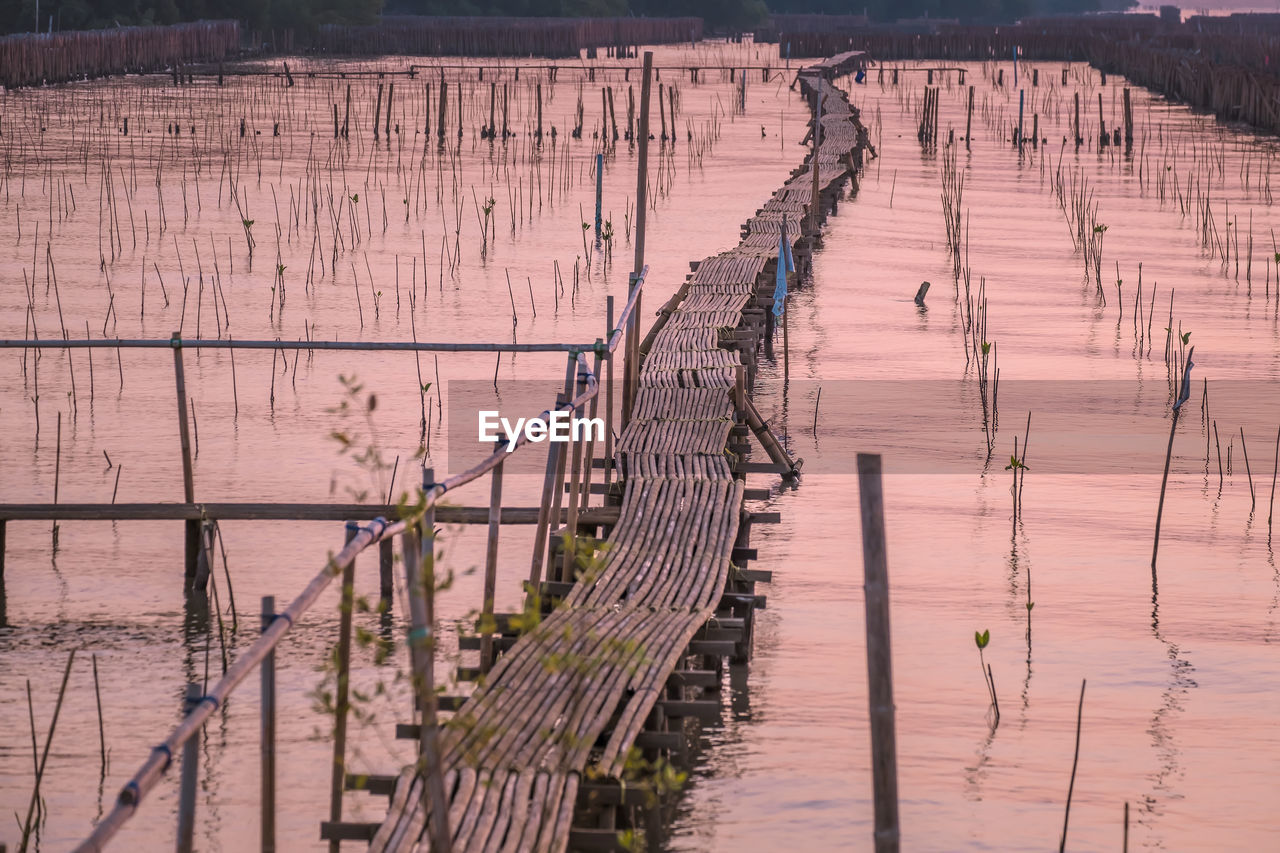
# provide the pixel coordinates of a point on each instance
(372, 346)
(445, 514)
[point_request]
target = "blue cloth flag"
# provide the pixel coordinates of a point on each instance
(785, 265)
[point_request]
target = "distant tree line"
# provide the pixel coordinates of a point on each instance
(303, 15)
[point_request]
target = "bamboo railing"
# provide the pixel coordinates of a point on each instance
(414, 528)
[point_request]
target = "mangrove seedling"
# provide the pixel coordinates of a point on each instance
(981, 640)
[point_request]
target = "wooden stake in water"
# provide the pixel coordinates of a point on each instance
(599, 193)
(190, 777)
(642, 206)
(102, 736)
(188, 481)
(420, 571)
(268, 733)
(1183, 394)
(1062, 844)
(884, 762)
(44, 756)
(342, 688)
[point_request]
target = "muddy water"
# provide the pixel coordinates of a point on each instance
(1179, 716)
(1180, 712)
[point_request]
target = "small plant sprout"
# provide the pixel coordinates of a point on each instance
(981, 639)
(606, 235)
(489, 204)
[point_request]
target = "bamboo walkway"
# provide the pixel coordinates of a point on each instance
(569, 700)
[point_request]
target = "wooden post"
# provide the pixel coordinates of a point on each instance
(377, 113)
(419, 561)
(268, 739)
(1077, 124)
(556, 494)
(968, 122)
(599, 193)
(1128, 121)
(391, 90)
(493, 95)
(443, 105)
(386, 559)
(629, 368)
(491, 569)
(190, 777)
(338, 779)
(884, 762)
(575, 473)
(630, 351)
(1102, 124)
(188, 477)
(1022, 99)
(538, 134)
(608, 417)
(813, 166)
(555, 452)
(1184, 392)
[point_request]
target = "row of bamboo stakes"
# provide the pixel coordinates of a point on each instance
(28, 59)
(1224, 70)
(503, 36)
(32, 59)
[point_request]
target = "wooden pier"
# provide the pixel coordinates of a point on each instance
(581, 699)
(540, 750)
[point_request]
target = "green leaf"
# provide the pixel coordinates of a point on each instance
(982, 639)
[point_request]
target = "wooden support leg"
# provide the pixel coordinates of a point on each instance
(386, 558)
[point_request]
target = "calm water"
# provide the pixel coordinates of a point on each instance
(1179, 714)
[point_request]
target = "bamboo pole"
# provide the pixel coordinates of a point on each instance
(884, 762)
(1183, 394)
(188, 477)
(629, 369)
(337, 779)
(190, 777)
(419, 563)
(268, 734)
(491, 570)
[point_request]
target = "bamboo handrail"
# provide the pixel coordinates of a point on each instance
(158, 762)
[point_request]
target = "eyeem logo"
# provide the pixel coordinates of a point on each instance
(562, 426)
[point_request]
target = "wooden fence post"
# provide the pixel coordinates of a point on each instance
(190, 777)
(608, 413)
(642, 203)
(386, 584)
(884, 762)
(192, 549)
(338, 779)
(268, 738)
(491, 570)
(419, 561)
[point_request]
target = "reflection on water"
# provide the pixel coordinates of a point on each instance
(1193, 746)
(353, 241)
(1168, 676)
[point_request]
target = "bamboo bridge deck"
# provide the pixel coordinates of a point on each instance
(571, 699)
